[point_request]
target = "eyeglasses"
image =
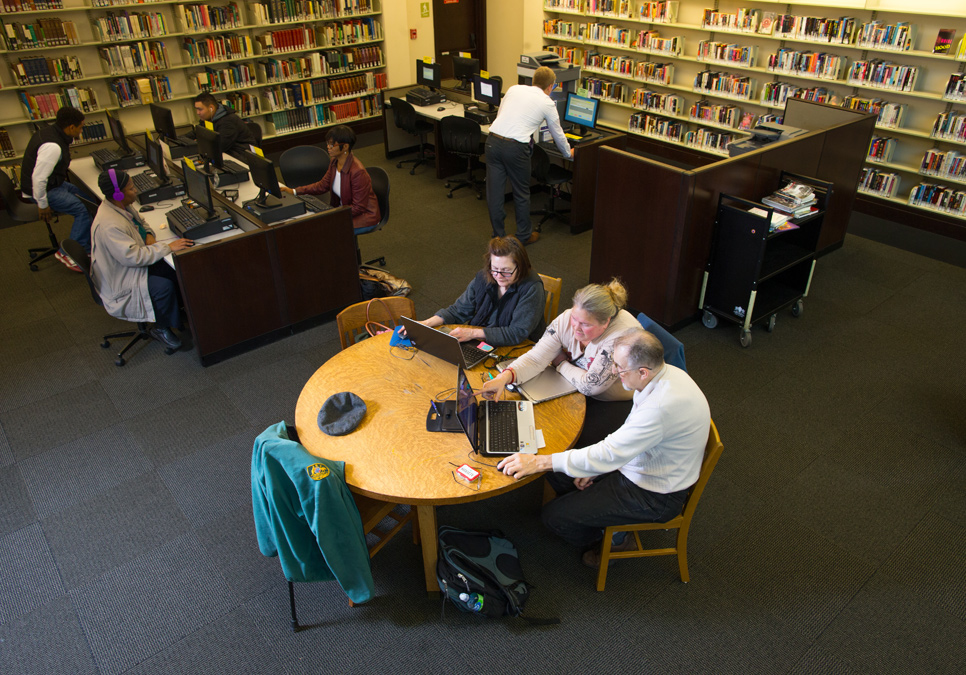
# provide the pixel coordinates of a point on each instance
(503, 273)
(616, 368)
(330, 144)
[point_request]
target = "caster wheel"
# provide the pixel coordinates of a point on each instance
(798, 308)
(105, 344)
(446, 185)
(745, 338)
(169, 351)
(119, 361)
(399, 166)
(449, 195)
(709, 320)
(33, 268)
(412, 171)
(770, 327)
(479, 196)
(33, 255)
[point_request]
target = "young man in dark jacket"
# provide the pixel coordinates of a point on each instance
(234, 134)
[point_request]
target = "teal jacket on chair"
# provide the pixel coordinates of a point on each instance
(305, 514)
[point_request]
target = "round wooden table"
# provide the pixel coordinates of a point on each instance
(390, 456)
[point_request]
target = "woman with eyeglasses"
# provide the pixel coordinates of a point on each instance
(347, 180)
(503, 305)
(580, 345)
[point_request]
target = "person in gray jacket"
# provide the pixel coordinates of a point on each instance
(127, 265)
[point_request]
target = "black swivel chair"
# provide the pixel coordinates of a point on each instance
(83, 260)
(303, 164)
(380, 185)
(404, 116)
(463, 138)
(256, 132)
(552, 176)
(26, 212)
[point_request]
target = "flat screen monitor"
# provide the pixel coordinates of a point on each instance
(467, 409)
(464, 68)
(427, 74)
(117, 133)
(581, 111)
(263, 175)
(163, 122)
(155, 159)
(209, 147)
(198, 188)
(487, 90)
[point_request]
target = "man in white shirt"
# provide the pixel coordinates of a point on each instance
(639, 473)
(523, 110)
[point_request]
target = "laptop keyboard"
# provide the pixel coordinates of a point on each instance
(502, 431)
(472, 355)
(313, 203)
(144, 182)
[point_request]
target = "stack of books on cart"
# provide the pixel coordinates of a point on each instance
(795, 200)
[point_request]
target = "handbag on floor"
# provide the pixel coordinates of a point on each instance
(378, 283)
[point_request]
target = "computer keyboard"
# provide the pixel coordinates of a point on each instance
(182, 218)
(144, 182)
(502, 426)
(313, 203)
(104, 155)
(421, 92)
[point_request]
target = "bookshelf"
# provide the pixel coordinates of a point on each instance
(289, 66)
(692, 73)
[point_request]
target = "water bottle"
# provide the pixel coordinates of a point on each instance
(473, 601)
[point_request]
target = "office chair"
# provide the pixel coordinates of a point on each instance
(552, 176)
(26, 212)
(256, 132)
(553, 287)
(351, 321)
(83, 260)
(303, 165)
(463, 138)
(380, 186)
(404, 117)
(681, 523)
(673, 349)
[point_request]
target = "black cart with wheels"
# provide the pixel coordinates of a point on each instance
(753, 273)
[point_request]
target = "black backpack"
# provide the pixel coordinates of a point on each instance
(480, 572)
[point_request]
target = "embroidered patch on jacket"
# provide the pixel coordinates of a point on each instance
(317, 471)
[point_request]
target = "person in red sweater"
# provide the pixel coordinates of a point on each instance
(347, 180)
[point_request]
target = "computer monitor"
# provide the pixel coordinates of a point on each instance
(263, 175)
(464, 68)
(155, 159)
(209, 147)
(581, 111)
(163, 122)
(117, 133)
(198, 188)
(487, 90)
(427, 74)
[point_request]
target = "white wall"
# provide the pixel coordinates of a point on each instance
(398, 17)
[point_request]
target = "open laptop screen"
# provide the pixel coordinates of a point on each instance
(467, 410)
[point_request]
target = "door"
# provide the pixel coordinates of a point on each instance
(459, 26)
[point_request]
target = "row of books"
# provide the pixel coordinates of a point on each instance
(710, 140)
(645, 99)
(709, 50)
(651, 41)
(743, 20)
(127, 26)
(284, 11)
(243, 103)
(606, 90)
(298, 94)
(41, 70)
(298, 119)
(348, 32)
(128, 91)
(653, 125)
(883, 74)
(939, 198)
(40, 33)
(288, 40)
(725, 84)
(956, 87)
(943, 163)
(881, 149)
(623, 65)
(661, 73)
(561, 28)
(776, 93)
(821, 65)
(42, 106)
(659, 12)
(136, 57)
(204, 18)
(13, 171)
(889, 114)
(724, 115)
(328, 62)
(950, 125)
(31, 5)
(663, 11)
(900, 36)
(811, 28)
(607, 33)
(94, 131)
(881, 183)
(232, 76)
(224, 47)
(6, 145)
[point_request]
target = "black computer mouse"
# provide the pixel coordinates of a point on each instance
(441, 108)
(146, 208)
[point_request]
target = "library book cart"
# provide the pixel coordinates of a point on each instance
(755, 272)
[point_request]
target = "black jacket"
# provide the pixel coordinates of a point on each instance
(48, 134)
(234, 134)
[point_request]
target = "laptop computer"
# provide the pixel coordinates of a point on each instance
(495, 428)
(546, 386)
(443, 346)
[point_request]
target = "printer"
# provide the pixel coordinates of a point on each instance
(568, 75)
(763, 134)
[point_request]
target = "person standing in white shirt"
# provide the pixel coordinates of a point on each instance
(523, 110)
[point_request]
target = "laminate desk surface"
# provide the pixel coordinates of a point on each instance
(390, 455)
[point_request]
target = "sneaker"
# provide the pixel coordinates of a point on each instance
(68, 262)
(591, 558)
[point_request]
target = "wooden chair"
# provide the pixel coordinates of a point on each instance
(681, 523)
(553, 287)
(351, 321)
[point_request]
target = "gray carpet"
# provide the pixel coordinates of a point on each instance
(830, 539)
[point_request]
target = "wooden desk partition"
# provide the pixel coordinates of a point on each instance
(653, 222)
